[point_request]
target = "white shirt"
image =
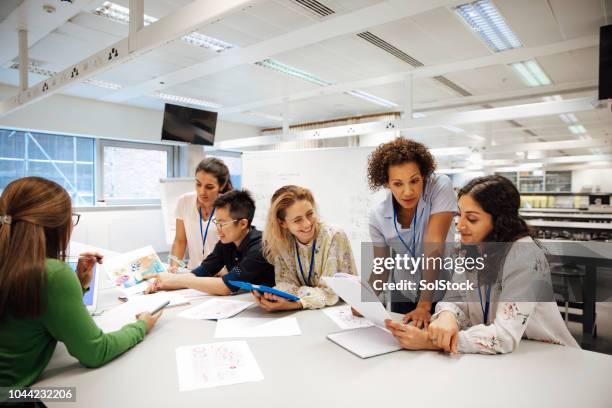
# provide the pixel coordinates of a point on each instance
(187, 211)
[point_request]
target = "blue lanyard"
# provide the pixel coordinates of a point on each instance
(485, 309)
(312, 261)
(414, 219)
(203, 233)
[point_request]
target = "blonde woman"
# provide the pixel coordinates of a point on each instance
(303, 250)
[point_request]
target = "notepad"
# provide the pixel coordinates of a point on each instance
(215, 309)
(114, 319)
(366, 342)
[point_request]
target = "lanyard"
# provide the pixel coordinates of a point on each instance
(203, 233)
(413, 250)
(312, 261)
(485, 309)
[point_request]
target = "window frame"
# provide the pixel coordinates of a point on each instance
(172, 157)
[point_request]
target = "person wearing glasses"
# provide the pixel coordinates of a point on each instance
(194, 214)
(303, 249)
(41, 298)
(239, 250)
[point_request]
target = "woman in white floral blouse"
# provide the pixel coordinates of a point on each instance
(517, 297)
(303, 249)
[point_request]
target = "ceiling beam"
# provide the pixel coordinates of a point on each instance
(444, 119)
(345, 24)
(31, 16)
(554, 145)
(187, 19)
(506, 57)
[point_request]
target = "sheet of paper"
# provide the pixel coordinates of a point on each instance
(214, 309)
(131, 268)
(135, 290)
(216, 364)
(366, 342)
(192, 293)
(257, 327)
(344, 318)
(349, 288)
(176, 299)
(116, 318)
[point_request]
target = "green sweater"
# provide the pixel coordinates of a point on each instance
(26, 345)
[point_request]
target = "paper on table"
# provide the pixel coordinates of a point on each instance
(215, 364)
(136, 289)
(344, 318)
(116, 318)
(131, 268)
(366, 342)
(192, 293)
(176, 299)
(257, 327)
(349, 289)
(215, 309)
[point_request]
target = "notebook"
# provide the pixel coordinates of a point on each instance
(366, 342)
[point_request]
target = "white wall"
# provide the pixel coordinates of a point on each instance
(601, 178)
(88, 117)
(121, 230)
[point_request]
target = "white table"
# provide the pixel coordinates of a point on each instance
(310, 371)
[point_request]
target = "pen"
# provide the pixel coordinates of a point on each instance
(160, 307)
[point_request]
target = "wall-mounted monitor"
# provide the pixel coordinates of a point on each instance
(189, 125)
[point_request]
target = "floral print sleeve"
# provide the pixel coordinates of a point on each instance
(522, 272)
(459, 309)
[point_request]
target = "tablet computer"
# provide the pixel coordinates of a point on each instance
(262, 288)
(90, 298)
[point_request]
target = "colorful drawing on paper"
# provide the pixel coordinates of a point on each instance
(134, 267)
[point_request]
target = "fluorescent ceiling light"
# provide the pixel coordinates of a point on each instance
(577, 129)
(568, 118)
(292, 72)
(552, 98)
(121, 15)
(531, 73)
(373, 98)
(451, 151)
(418, 115)
(487, 21)
(313, 79)
(187, 100)
(453, 129)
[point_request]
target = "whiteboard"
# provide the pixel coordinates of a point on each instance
(171, 190)
(337, 178)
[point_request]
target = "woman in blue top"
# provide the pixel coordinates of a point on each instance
(418, 210)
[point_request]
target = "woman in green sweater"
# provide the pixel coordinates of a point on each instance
(41, 298)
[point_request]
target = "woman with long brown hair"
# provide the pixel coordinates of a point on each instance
(194, 213)
(303, 250)
(41, 298)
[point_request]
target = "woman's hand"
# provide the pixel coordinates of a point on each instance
(149, 319)
(409, 336)
(85, 266)
(444, 332)
(273, 303)
(420, 316)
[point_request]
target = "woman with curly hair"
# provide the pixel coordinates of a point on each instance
(512, 297)
(418, 209)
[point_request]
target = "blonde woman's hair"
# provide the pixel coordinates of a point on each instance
(276, 239)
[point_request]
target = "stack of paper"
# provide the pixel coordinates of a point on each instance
(215, 309)
(257, 327)
(215, 364)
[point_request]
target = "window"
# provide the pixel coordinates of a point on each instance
(130, 172)
(67, 160)
(233, 161)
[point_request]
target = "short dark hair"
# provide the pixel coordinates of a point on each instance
(240, 202)
(398, 151)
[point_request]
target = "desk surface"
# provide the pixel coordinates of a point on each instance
(310, 371)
